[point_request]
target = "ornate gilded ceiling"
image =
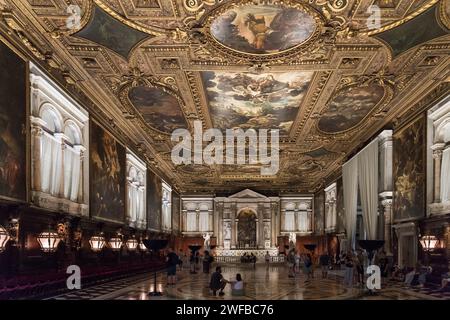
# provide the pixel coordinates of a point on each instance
(314, 69)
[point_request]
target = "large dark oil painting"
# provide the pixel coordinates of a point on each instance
(13, 103)
(246, 229)
(263, 29)
(159, 109)
(259, 101)
(154, 201)
(319, 212)
(349, 107)
(409, 171)
(176, 211)
(111, 33)
(108, 166)
(340, 210)
(413, 32)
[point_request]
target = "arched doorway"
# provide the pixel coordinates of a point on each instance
(246, 229)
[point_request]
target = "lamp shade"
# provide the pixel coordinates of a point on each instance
(48, 240)
(115, 243)
(97, 243)
(142, 247)
(4, 237)
(429, 242)
(132, 244)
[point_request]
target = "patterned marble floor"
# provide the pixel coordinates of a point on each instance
(262, 283)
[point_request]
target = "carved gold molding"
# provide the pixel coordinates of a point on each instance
(402, 21)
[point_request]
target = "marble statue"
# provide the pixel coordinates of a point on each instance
(207, 242)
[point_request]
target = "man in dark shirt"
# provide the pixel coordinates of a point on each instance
(324, 264)
(217, 282)
(172, 262)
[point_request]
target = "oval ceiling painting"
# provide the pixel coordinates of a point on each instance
(159, 109)
(349, 107)
(263, 29)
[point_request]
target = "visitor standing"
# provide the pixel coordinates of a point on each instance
(267, 258)
(324, 261)
(291, 263)
(360, 267)
(348, 278)
(172, 263)
(207, 260)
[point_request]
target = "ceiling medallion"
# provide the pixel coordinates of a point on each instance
(262, 30)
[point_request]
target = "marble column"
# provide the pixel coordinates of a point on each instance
(437, 157)
(233, 227)
(447, 236)
(387, 212)
(274, 224)
(36, 136)
(197, 219)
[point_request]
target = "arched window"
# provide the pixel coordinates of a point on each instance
(136, 186)
(59, 126)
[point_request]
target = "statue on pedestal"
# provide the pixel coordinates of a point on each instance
(292, 240)
(207, 242)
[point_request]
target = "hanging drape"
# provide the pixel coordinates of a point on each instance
(350, 184)
(333, 215)
(191, 222)
(56, 170)
(289, 221)
(51, 164)
(72, 166)
(445, 176)
(303, 223)
(46, 161)
(368, 187)
(141, 211)
(204, 221)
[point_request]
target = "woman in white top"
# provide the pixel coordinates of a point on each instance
(237, 288)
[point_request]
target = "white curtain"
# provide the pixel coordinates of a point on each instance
(51, 161)
(289, 221)
(141, 210)
(350, 185)
(46, 161)
(368, 187)
(333, 215)
(132, 202)
(167, 216)
(445, 176)
(56, 171)
(191, 223)
(328, 216)
(72, 167)
(204, 221)
(303, 223)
